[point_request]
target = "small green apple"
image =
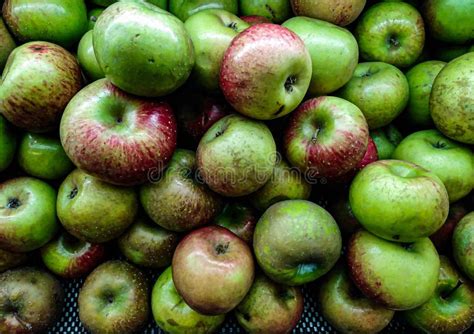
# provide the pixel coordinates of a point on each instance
(87, 59)
(183, 9)
(93, 15)
(275, 10)
(386, 139)
(7, 143)
(463, 245)
(7, 44)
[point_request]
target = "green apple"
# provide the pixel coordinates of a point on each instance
(7, 44)
(143, 49)
(296, 241)
(386, 139)
(57, 21)
(7, 143)
(9, 260)
(27, 214)
(463, 244)
(275, 10)
(450, 309)
(396, 275)
(183, 9)
(87, 59)
(448, 52)
(43, 157)
(333, 50)
(211, 31)
(391, 32)
(173, 315)
(163, 4)
(452, 109)
(95, 211)
(415, 206)
(380, 90)
(93, 15)
(341, 12)
(451, 161)
(420, 80)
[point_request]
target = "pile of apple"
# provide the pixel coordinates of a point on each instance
(240, 150)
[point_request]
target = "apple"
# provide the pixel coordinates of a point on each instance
(57, 21)
(265, 72)
(333, 50)
(325, 137)
(160, 3)
(93, 15)
(270, 307)
(275, 10)
(296, 242)
(27, 214)
(399, 276)
(183, 9)
(173, 315)
(142, 49)
(458, 123)
(341, 12)
(442, 237)
(43, 157)
(255, 19)
(239, 218)
(463, 244)
(213, 270)
(452, 162)
(9, 260)
(7, 143)
(69, 257)
(95, 211)
(380, 90)
(7, 44)
(236, 156)
(420, 80)
(340, 209)
(114, 299)
(117, 137)
(386, 139)
(346, 308)
(25, 100)
(87, 59)
(148, 245)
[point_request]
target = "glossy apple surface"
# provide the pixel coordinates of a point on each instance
(87, 59)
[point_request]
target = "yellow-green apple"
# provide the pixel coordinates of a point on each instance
(463, 244)
(239, 218)
(386, 139)
(266, 71)
(443, 236)
(7, 44)
(117, 137)
(87, 59)
(9, 260)
(7, 143)
(276, 11)
(213, 270)
(255, 19)
(183, 9)
(341, 12)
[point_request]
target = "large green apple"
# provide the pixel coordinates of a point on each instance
(183, 9)
(7, 44)
(143, 49)
(275, 10)
(452, 100)
(463, 245)
(452, 162)
(386, 139)
(341, 12)
(333, 50)
(87, 59)
(7, 143)
(398, 200)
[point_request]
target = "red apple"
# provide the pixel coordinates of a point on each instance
(255, 19)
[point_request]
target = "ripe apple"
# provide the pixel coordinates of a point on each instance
(239, 218)
(69, 257)
(95, 211)
(255, 19)
(452, 162)
(463, 244)
(213, 270)
(380, 90)
(276, 11)
(325, 137)
(346, 308)
(93, 15)
(458, 123)
(386, 139)
(7, 143)
(236, 156)
(173, 315)
(117, 137)
(114, 299)
(25, 100)
(341, 12)
(442, 237)
(265, 72)
(399, 276)
(7, 44)
(296, 241)
(183, 9)
(9, 260)
(333, 50)
(87, 59)
(270, 307)
(142, 49)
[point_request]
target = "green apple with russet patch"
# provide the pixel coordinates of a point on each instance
(87, 59)
(7, 143)
(386, 139)
(183, 9)
(341, 12)
(7, 44)
(276, 11)
(463, 244)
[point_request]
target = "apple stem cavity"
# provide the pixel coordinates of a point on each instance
(439, 144)
(290, 81)
(394, 42)
(233, 26)
(222, 248)
(13, 203)
(449, 293)
(73, 193)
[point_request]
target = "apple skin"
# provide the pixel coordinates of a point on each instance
(173, 315)
(95, 211)
(7, 44)
(255, 19)
(340, 208)
(148, 245)
(213, 270)
(442, 237)
(183, 9)
(30, 301)
(270, 307)
(114, 299)
(236, 156)
(160, 3)
(396, 275)
(380, 90)
(391, 32)
(92, 16)
(265, 72)
(276, 11)
(27, 214)
(463, 244)
(458, 123)
(24, 99)
(43, 157)
(415, 207)
(239, 218)
(69, 257)
(87, 59)
(340, 12)
(386, 139)
(325, 137)
(346, 308)
(333, 50)
(452, 162)
(7, 143)
(9, 260)
(117, 137)
(420, 80)
(143, 49)
(296, 242)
